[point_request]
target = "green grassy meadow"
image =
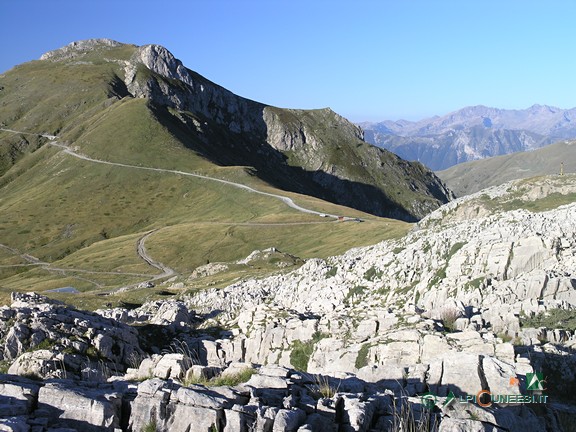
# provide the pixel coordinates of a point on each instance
(83, 215)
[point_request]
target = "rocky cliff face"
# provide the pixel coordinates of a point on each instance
(315, 152)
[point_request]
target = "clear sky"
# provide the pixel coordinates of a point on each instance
(366, 59)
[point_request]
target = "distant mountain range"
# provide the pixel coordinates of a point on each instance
(472, 133)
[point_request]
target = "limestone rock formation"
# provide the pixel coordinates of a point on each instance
(45, 338)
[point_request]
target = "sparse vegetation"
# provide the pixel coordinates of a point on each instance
(564, 319)
(505, 337)
(301, 351)
(223, 380)
(373, 273)
(150, 426)
(46, 344)
(355, 293)
(323, 387)
(92, 352)
(332, 272)
(362, 358)
(4, 366)
(407, 418)
(438, 277)
(455, 248)
(474, 283)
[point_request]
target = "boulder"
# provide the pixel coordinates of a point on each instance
(73, 406)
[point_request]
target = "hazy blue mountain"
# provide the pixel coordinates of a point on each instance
(472, 133)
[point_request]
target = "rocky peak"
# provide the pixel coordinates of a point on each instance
(161, 61)
(75, 49)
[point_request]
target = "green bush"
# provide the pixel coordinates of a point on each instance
(355, 292)
(362, 358)
(332, 272)
(372, 273)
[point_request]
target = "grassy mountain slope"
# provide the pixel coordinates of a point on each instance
(65, 221)
(470, 177)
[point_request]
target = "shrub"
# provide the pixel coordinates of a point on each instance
(323, 388)
(355, 292)
(332, 272)
(372, 273)
(301, 351)
(150, 426)
(553, 319)
(4, 366)
(300, 355)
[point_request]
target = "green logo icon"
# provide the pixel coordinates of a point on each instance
(428, 400)
(535, 381)
(451, 396)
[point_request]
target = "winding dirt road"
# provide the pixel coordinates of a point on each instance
(286, 200)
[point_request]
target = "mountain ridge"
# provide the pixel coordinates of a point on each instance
(263, 136)
(541, 119)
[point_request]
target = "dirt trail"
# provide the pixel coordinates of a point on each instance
(141, 248)
(286, 200)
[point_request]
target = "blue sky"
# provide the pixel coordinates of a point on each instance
(367, 60)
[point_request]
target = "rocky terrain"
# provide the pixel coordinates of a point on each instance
(472, 133)
(401, 334)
